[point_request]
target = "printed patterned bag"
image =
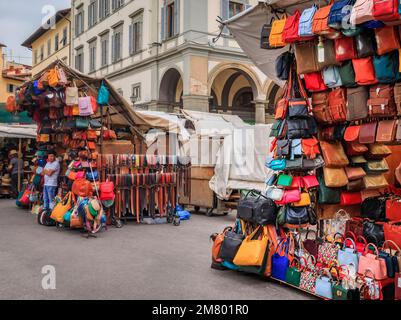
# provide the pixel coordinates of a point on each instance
(308, 277)
(327, 253)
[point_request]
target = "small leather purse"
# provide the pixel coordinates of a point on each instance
(354, 173)
(367, 133)
(386, 131)
(333, 154)
(375, 182)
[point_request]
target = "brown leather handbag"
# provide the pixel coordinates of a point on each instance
(335, 177)
(386, 130)
(338, 105)
(320, 107)
(333, 154)
(306, 57)
(357, 107)
(354, 149)
(398, 134)
(381, 102)
(378, 151)
(354, 173)
(356, 185)
(387, 39)
(375, 182)
(329, 58)
(367, 133)
(397, 97)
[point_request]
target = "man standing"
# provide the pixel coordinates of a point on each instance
(51, 173)
(13, 169)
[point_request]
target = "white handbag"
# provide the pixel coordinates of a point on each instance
(71, 96)
(274, 193)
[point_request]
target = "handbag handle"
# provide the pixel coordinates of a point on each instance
(307, 233)
(368, 270)
(342, 213)
(393, 243)
(367, 248)
(353, 235)
(365, 242)
(325, 271)
(352, 241)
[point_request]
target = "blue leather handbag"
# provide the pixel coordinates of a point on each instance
(373, 24)
(306, 22)
(296, 148)
(276, 165)
(323, 286)
(92, 177)
(386, 67)
(332, 77)
(338, 12)
(348, 256)
(280, 263)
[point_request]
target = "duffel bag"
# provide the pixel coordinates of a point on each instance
(259, 210)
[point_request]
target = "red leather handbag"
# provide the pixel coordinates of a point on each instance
(393, 209)
(107, 191)
(310, 148)
(314, 82)
(338, 105)
(387, 39)
(290, 196)
(350, 198)
(310, 181)
(364, 71)
(345, 49)
(297, 183)
(290, 32)
(385, 10)
(392, 232)
(352, 133)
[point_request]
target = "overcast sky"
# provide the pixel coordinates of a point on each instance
(18, 20)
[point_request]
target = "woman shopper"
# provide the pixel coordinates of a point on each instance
(50, 173)
(13, 169)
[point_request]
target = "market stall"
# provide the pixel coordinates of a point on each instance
(335, 159)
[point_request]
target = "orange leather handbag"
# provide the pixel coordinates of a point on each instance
(320, 23)
(387, 39)
(53, 77)
(333, 154)
(364, 71)
(352, 133)
(276, 34)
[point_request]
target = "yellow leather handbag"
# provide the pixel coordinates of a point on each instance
(372, 182)
(276, 34)
(62, 208)
(75, 110)
(304, 202)
(253, 248)
(335, 177)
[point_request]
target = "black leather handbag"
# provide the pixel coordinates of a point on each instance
(391, 263)
(298, 129)
(231, 243)
(298, 108)
(295, 164)
(374, 209)
(312, 164)
(373, 233)
(297, 215)
(283, 65)
(283, 148)
(365, 44)
(259, 210)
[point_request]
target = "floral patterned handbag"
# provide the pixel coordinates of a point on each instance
(327, 253)
(309, 276)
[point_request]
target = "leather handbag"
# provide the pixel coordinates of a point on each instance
(386, 67)
(362, 11)
(367, 133)
(331, 76)
(310, 182)
(373, 262)
(257, 209)
(306, 22)
(293, 273)
(337, 105)
(229, 248)
(320, 108)
(296, 148)
(354, 173)
(253, 248)
(347, 255)
(386, 10)
(312, 164)
(387, 40)
(320, 23)
(299, 128)
(107, 191)
(291, 27)
(350, 198)
(338, 13)
(276, 194)
(283, 65)
(327, 57)
(364, 71)
(357, 99)
(393, 209)
(282, 148)
(381, 102)
(72, 95)
(276, 34)
(392, 232)
(306, 57)
(347, 74)
(375, 182)
(297, 183)
(297, 108)
(352, 133)
(82, 188)
(378, 151)
(355, 186)
(280, 261)
(314, 82)
(365, 44)
(61, 208)
(297, 215)
(217, 242)
(374, 209)
(376, 167)
(311, 245)
(284, 180)
(391, 259)
(290, 196)
(335, 177)
(345, 49)
(354, 149)
(310, 148)
(333, 154)
(309, 276)
(304, 202)
(355, 227)
(277, 165)
(386, 131)
(397, 97)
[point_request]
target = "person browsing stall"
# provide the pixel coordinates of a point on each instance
(13, 169)
(50, 173)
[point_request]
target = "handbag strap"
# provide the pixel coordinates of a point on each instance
(345, 243)
(375, 248)
(393, 243)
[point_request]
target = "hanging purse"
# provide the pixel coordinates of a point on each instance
(291, 27)
(305, 56)
(335, 177)
(296, 148)
(338, 12)
(332, 78)
(386, 10)
(276, 194)
(314, 82)
(297, 183)
(367, 133)
(386, 131)
(283, 65)
(290, 196)
(310, 148)
(72, 96)
(354, 173)
(386, 67)
(284, 180)
(327, 57)
(306, 22)
(390, 259)
(372, 262)
(320, 23)
(276, 34)
(354, 149)
(320, 108)
(351, 134)
(362, 12)
(327, 195)
(365, 44)
(381, 102)
(338, 105)
(310, 182)
(364, 71)
(347, 74)
(357, 99)
(304, 202)
(345, 49)
(387, 40)
(333, 154)
(312, 245)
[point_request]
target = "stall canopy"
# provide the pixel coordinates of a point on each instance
(18, 131)
(247, 26)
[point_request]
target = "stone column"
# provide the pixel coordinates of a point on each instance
(260, 111)
(196, 103)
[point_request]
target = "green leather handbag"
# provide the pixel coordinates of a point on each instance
(284, 180)
(293, 273)
(339, 292)
(347, 74)
(327, 195)
(82, 123)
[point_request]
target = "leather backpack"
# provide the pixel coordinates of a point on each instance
(334, 154)
(337, 105)
(364, 71)
(290, 32)
(345, 49)
(386, 131)
(357, 99)
(347, 74)
(362, 12)
(306, 57)
(386, 10)
(306, 22)
(386, 67)
(320, 108)
(381, 102)
(338, 12)
(387, 40)
(283, 64)
(320, 23)
(276, 34)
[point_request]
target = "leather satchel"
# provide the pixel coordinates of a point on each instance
(333, 154)
(314, 82)
(337, 105)
(354, 173)
(306, 22)
(364, 71)
(352, 133)
(306, 57)
(365, 44)
(354, 149)
(357, 99)
(386, 10)
(320, 108)
(301, 128)
(290, 32)
(362, 12)
(296, 148)
(345, 49)
(381, 102)
(310, 148)
(329, 58)
(283, 148)
(297, 215)
(375, 182)
(320, 23)
(258, 210)
(335, 177)
(298, 108)
(386, 131)
(331, 76)
(367, 133)
(327, 195)
(347, 74)
(387, 40)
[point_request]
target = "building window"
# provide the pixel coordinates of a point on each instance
(92, 56)
(79, 60)
(79, 22)
(56, 43)
(117, 45)
(35, 57)
(49, 47)
(10, 88)
(65, 37)
(104, 41)
(235, 8)
(42, 53)
(135, 34)
(117, 4)
(104, 8)
(92, 13)
(136, 93)
(170, 19)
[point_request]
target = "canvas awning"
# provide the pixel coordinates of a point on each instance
(246, 28)
(18, 131)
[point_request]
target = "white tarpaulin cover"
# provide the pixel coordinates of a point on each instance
(247, 26)
(18, 131)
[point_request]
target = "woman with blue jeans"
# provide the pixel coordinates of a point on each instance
(50, 173)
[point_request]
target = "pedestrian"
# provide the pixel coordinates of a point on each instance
(13, 170)
(50, 173)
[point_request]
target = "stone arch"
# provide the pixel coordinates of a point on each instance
(169, 85)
